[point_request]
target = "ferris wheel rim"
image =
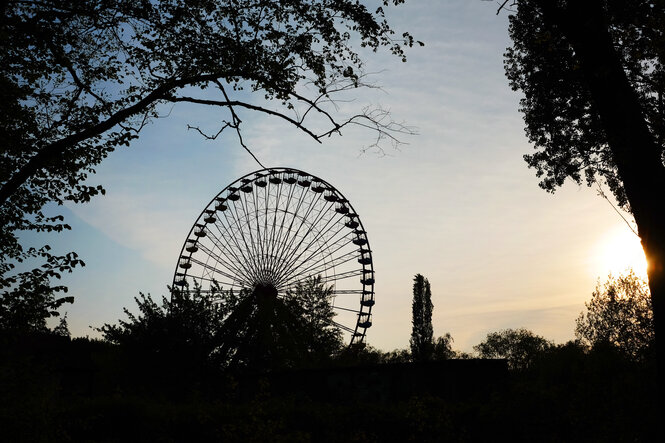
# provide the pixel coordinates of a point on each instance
(363, 322)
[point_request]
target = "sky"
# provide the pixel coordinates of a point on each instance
(455, 203)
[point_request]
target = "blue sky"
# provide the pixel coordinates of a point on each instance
(456, 204)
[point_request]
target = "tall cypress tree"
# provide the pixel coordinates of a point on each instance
(422, 333)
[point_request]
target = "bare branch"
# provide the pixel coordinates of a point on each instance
(242, 143)
(602, 194)
(225, 104)
(236, 119)
(333, 87)
(236, 124)
(378, 120)
(217, 134)
(503, 6)
(207, 136)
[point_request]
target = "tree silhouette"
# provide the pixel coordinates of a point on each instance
(80, 79)
(619, 314)
(29, 299)
(593, 77)
(422, 333)
(253, 329)
(443, 348)
(519, 346)
(178, 333)
(265, 331)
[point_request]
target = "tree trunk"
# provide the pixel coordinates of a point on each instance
(635, 151)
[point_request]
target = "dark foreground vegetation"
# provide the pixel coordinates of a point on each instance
(59, 389)
(193, 370)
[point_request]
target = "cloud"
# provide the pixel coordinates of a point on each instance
(456, 204)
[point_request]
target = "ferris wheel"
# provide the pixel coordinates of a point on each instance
(277, 228)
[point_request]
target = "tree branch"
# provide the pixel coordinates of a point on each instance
(58, 147)
(230, 103)
(602, 194)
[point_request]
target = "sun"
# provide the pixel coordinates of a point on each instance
(619, 250)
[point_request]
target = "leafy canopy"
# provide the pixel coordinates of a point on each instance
(264, 330)
(519, 346)
(251, 329)
(33, 299)
(562, 120)
(619, 314)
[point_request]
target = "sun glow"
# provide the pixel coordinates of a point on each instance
(619, 250)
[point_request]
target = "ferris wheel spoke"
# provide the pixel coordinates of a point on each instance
(339, 308)
(287, 239)
(299, 250)
(247, 228)
(237, 228)
(243, 264)
(266, 200)
(216, 271)
(312, 262)
(230, 265)
(266, 231)
(306, 216)
(325, 279)
(216, 291)
(348, 292)
(324, 209)
(297, 220)
(247, 250)
(257, 212)
(251, 245)
(212, 281)
(264, 246)
(224, 239)
(314, 241)
(229, 238)
(273, 233)
(325, 266)
(318, 220)
(273, 225)
(277, 252)
(252, 215)
(342, 327)
(320, 245)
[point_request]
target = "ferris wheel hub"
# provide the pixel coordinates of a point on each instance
(265, 291)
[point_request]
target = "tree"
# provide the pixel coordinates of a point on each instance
(593, 77)
(519, 346)
(619, 314)
(81, 78)
(422, 333)
(33, 299)
(179, 332)
(252, 329)
(264, 330)
(311, 303)
(443, 348)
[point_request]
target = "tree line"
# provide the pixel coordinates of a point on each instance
(247, 330)
(176, 370)
(618, 317)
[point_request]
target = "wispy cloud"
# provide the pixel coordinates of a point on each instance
(456, 204)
